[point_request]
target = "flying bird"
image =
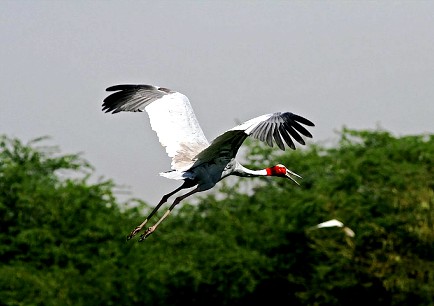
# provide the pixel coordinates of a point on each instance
(196, 161)
(335, 223)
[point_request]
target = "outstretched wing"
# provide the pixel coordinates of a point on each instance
(171, 117)
(279, 128)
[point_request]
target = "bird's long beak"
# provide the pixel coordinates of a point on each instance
(289, 174)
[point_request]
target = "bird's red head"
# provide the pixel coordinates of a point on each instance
(282, 171)
(278, 170)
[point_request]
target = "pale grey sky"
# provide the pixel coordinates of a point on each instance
(361, 64)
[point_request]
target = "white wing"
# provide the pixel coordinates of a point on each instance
(171, 117)
(336, 223)
(330, 223)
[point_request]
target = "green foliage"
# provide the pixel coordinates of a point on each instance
(251, 243)
(382, 187)
(56, 232)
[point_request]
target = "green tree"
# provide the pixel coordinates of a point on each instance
(382, 187)
(59, 234)
(249, 243)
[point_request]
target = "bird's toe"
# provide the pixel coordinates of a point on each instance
(134, 232)
(146, 234)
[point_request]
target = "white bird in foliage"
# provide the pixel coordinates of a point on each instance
(336, 223)
(196, 161)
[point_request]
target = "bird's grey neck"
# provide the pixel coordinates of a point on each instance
(240, 170)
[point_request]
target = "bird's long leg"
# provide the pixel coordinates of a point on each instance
(151, 229)
(162, 201)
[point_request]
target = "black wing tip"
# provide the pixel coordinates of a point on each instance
(283, 128)
(301, 119)
(120, 87)
(110, 108)
(120, 98)
(128, 87)
(306, 121)
(111, 102)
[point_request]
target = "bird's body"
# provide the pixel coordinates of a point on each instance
(196, 161)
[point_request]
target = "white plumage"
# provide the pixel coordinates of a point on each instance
(178, 130)
(197, 162)
(336, 223)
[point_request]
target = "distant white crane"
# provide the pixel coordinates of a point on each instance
(197, 162)
(335, 223)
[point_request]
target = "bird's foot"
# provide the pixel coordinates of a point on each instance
(134, 232)
(146, 234)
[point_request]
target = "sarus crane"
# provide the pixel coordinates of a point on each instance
(195, 161)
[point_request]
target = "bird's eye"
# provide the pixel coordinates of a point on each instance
(280, 170)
